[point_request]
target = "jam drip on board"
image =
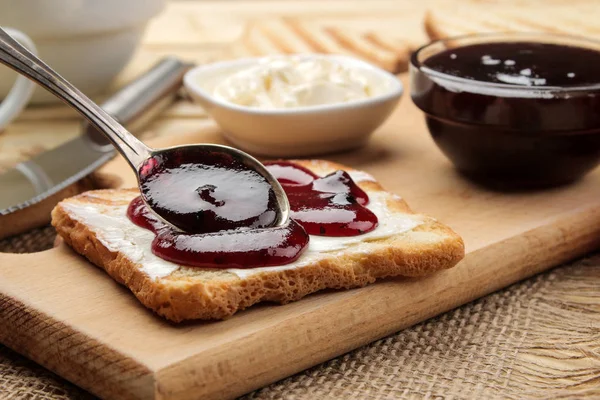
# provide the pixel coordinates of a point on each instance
(329, 206)
(240, 248)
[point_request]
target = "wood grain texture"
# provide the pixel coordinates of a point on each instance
(70, 353)
(54, 301)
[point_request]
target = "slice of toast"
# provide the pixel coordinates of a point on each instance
(369, 50)
(282, 34)
(259, 44)
(264, 37)
(398, 46)
(404, 244)
(446, 18)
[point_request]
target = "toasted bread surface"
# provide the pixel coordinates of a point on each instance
(186, 293)
(359, 44)
(446, 18)
(264, 37)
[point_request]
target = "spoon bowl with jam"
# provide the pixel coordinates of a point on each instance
(512, 110)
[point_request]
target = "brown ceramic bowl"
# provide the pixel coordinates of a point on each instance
(507, 135)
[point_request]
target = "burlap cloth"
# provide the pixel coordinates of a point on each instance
(538, 339)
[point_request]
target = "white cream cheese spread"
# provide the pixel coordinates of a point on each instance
(294, 81)
(115, 231)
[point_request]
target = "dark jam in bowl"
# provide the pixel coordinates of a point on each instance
(520, 64)
(512, 113)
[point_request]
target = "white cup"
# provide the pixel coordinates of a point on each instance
(88, 42)
(21, 91)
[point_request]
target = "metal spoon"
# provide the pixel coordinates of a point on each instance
(135, 152)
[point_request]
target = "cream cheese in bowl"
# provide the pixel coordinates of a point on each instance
(295, 105)
(290, 82)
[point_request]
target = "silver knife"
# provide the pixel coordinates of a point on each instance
(32, 181)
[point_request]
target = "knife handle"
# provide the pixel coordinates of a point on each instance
(135, 104)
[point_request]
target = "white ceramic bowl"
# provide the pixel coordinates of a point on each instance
(303, 131)
(69, 18)
(87, 41)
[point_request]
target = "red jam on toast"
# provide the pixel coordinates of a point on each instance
(332, 205)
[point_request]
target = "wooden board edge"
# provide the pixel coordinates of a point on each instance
(71, 354)
(256, 360)
(38, 214)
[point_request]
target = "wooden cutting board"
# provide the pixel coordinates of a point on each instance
(69, 316)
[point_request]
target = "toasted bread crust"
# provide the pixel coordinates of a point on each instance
(181, 297)
(446, 18)
(290, 35)
(431, 28)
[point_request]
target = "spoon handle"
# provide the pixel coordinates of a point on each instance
(21, 60)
